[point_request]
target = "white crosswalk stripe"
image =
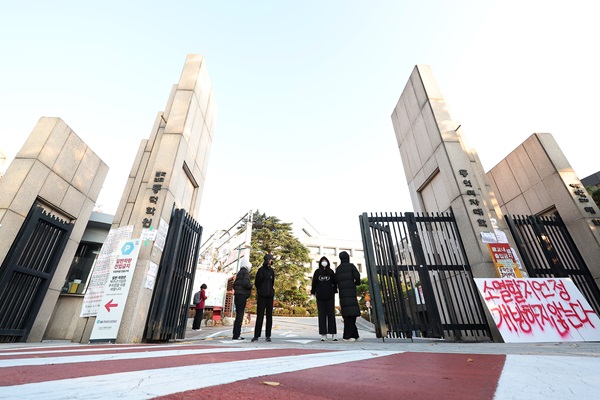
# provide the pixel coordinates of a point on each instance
(145, 384)
(83, 348)
(114, 357)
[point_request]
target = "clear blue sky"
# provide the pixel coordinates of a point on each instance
(304, 90)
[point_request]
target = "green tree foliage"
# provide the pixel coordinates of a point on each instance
(361, 291)
(270, 235)
(594, 192)
(363, 287)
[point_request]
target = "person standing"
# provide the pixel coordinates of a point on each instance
(324, 289)
(347, 279)
(242, 289)
(265, 293)
(199, 299)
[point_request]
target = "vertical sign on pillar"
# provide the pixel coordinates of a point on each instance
(116, 290)
(481, 221)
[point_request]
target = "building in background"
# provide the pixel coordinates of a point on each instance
(219, 262)
(321, 245)
(592, 180)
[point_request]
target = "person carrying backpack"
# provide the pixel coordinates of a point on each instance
(199, 298)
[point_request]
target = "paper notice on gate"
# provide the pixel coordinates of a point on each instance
(488, 237)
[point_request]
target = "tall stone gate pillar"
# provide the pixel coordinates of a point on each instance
(537, 179)
(169, 171)
(443, 173)
(58, 171)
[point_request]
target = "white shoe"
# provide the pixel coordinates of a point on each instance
(349, 340)
(323, 338)
(334, 337)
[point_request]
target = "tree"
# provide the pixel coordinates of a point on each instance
(363, 287)
(594, 192)
(361, 291)
(270, 235)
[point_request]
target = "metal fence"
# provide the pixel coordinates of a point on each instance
(420, 281)
(168, 314)
(27, 271)
(548, 251)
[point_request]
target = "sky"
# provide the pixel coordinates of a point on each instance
(304, 90)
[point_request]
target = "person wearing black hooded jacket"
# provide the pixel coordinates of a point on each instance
(324, 289)
(347, 279)
(242, 287)
(265, 294)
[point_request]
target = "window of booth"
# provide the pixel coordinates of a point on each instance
(81, 268)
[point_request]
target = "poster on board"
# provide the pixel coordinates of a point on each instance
(116, 290)
(108, 254)
(504, 260)
(216, 283)
(539, 310)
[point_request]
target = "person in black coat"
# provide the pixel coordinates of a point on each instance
(242, 289)
(265, 293)
(347, 279)
(324, 289)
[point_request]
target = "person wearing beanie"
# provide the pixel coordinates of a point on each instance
(347, 279)
(265, 293)
(242, 288)
(324, 289)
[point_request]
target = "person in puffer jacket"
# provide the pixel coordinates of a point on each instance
(265, 293)
(242, 289)
(324, 289)
(347, 279)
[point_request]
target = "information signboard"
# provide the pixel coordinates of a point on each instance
(116, 290)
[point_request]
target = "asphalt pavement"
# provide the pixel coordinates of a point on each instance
(303, 333)
(207, 364)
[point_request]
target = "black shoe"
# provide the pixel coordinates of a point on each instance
(238, 338)
(254, 339)
(268, 339)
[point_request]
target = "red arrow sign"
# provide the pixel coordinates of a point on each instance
(109, 305)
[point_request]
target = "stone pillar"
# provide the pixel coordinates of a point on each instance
(169, 171)
(56, 168)
(536, 178)
(443, 172)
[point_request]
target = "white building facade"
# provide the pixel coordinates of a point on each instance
(325, 246)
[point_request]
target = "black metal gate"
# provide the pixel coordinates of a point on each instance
(420, 281)
(27, 271)
(167, 318)
(548, 251)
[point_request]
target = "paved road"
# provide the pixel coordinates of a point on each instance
(297, 365)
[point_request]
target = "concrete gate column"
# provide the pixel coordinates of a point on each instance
(443, 172)
(169, 170)
(63, 174)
